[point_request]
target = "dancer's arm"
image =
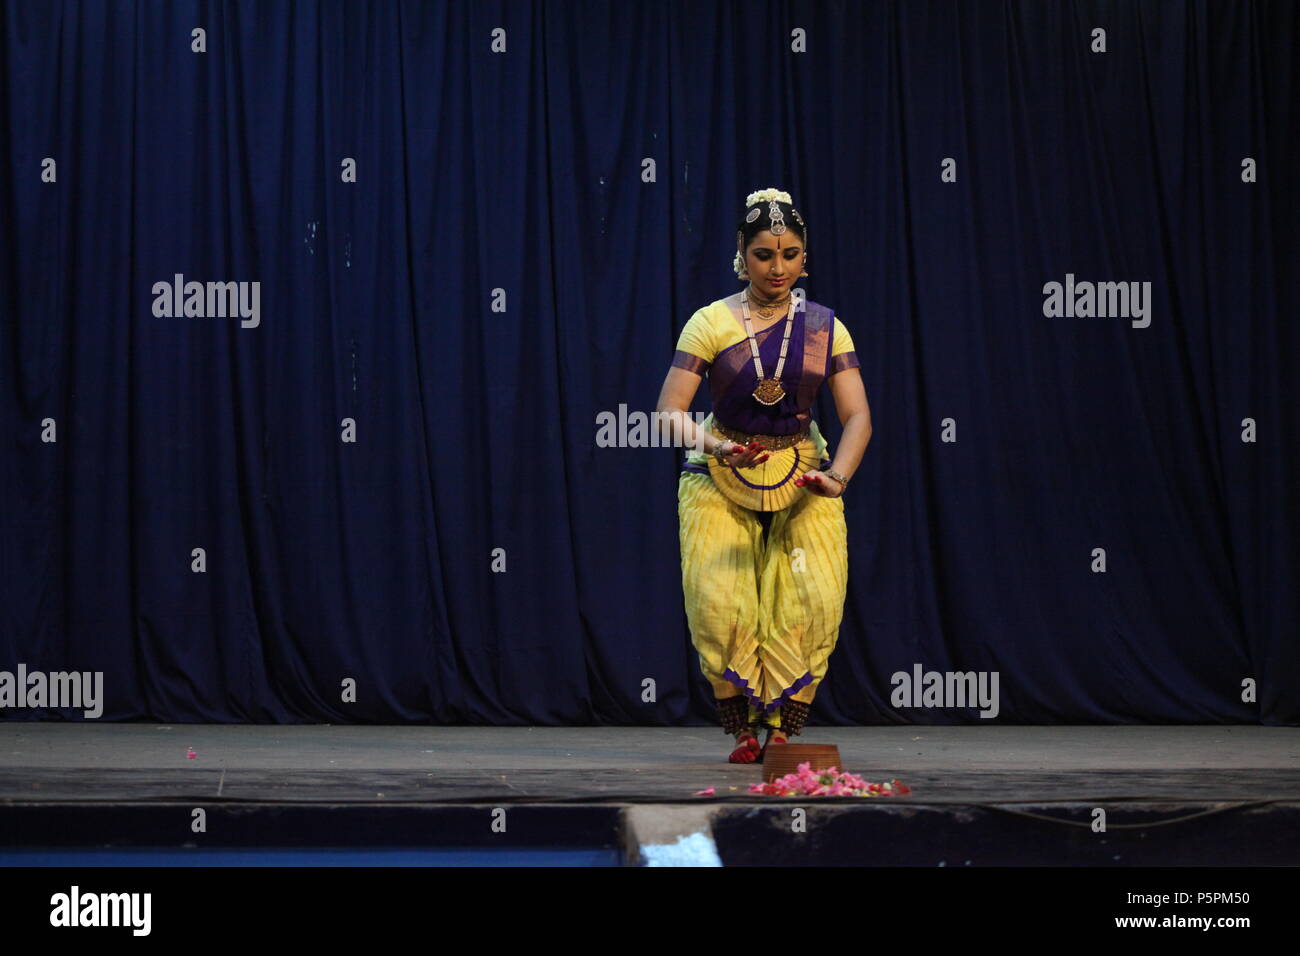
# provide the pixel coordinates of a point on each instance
(855, 415)
(674, 406)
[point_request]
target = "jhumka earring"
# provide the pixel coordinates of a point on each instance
(738, 264)
(804, 226)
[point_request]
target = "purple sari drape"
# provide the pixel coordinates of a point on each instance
(732, 379)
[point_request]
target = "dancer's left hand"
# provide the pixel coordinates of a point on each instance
(820, 483)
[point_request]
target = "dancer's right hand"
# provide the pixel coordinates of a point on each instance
(744, 456)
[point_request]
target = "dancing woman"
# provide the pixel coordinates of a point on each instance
(763, 540)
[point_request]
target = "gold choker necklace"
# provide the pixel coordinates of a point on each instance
(767, 307)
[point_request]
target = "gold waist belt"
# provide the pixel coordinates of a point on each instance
(769, 442)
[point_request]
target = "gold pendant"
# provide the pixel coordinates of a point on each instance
(769, 391)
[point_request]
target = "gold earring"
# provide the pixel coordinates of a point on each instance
(738, 263)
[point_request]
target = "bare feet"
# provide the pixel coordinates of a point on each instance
(774, 736)
(747, 748)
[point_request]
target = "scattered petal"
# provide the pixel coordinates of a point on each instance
(828, 782)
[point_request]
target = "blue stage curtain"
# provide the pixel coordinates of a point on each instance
(544, 194)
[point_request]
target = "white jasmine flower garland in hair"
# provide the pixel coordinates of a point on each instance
(767, 195)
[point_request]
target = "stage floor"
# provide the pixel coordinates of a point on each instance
(87, 762)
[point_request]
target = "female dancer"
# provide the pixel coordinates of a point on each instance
(763, 538)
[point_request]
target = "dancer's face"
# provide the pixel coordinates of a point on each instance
(771, 258)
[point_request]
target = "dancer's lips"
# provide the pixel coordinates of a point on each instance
(776, 281)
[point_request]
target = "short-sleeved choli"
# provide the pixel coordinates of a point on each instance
(713, 328)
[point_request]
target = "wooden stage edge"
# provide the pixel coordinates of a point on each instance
(122, 762)
(1006, 795)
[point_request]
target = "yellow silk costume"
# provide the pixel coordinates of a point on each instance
(764, 591)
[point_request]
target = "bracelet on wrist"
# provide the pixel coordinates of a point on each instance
(837, 476)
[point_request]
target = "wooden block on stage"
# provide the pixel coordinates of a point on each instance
(781, 759)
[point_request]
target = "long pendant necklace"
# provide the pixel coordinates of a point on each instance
(769, 390)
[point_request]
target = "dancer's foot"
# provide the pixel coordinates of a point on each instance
(747, 749)
(774, 736)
